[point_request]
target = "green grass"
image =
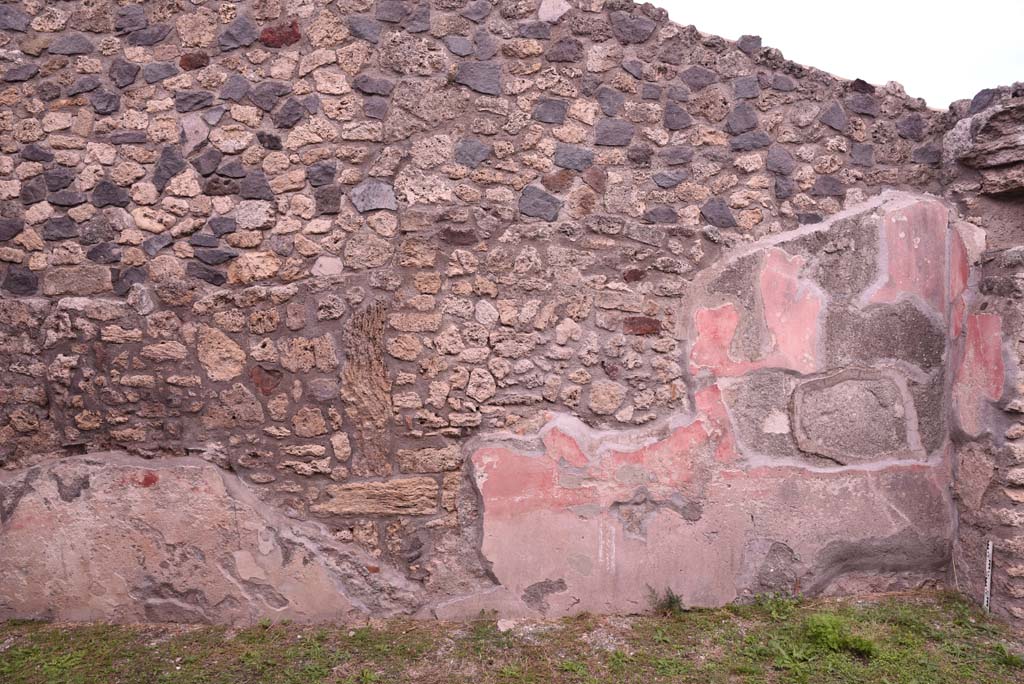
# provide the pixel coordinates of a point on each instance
(908, 639)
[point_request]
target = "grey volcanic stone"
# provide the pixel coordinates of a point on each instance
(676, 118)
(149, 36)
(827, 186)
(927, 154)
(372, 85)
(85, 84)
(122, 72)
(392, 11)
(676, 155)
(373, 194)
(66, 198)
(130, 18)
(104, 253)
(235, 88)
(483, 77)
(835, 117)
(471, 152)
(698, 77)
(573, 157)
(265, 94)
(535, 202)
(476, 11)
(375, 106)
(289, 114)
(208, 161)
(232, 168)
(783, 83)
(748, 45)
(21, 73)
(785, 187)
(154, 72)
(746, 87)
(169, 165)
(205, 273)
(550, 110)
(107, 194)
(862, 154)
(33, 190)
(13, 19)
(911, 127)
(670, 178)
(779, 160)
(862, 103)
(321, 173)
(153, 245)
(60, 228)
(458, 45)
(716, 212)
(328, 199)
(660, 213)
(752, 140)
(613, 133)
(58, 178)
(255, 186)
(366, 28)
(741, 119)
(9, 228)
(191, 100)
(203, 240)
(20, 280)
(222, 225)
(610, 100)
(219, 186)
(71, 44)
(105, 101)
(241, 32)
(214, 257)
(565, 50)
(629, 28)
(47, 91)
(36, 152)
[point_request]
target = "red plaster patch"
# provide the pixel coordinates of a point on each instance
(148, 479)
(980, 377)
(915, 239)
(959, 272)
(562, 446)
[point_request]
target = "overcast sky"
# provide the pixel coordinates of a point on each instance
(937, 49)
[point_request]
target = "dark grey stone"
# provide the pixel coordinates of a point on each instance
(213, 257)
(640, 155)
(12, 18)
(392, 11)
(269, 140)
(485, 45)
(419, 19)
(123, 73)
(58, 178)
(610, 100)
(670, 178)
(835, 117)
(33, 190)
(785, 187)
(107, 194)
(153, 245)
(862, 154)
(365, 28)
(535, 202)
(613, 133)
(716, 212)
(105, 101)
(911, 127)
(235, 88)
(130, 18)
(629, 28)
(827, 186)
(565, 50)
(36, 152)
(213, 115)
(550, 110)
(191, 100)
(66, 198)
(859, 85)
(321, 173)
(982, 100)
(746, 87)
(676, 155)
(698, 77)
(677, 93)
(47, 91)
(472, 152)
(779, 160)
(783, 83)
(649, 91)
(862, 103)
(660, 213)
(84, 84)
(927, 154)
(753, 140)
(60, 228)
(255, 186)
(104, 253)
(741, 119)
(205, 273)
(239, 33)
(573, 157)
(476, 11)
(10, 227)
(127, 138)
(20, 280)
(538, 30)
(328, 199)
(289, 114)
(676, 118)
(71, 44)
(222, 225)
(148, 36)
(232, 168)
(169, 165)
(458, 45)
(749, 45)
(373, 194)
(218, 186)
(203, 240)
(21, 73)
(154, 72)
(483, 77)
(207, 161)
(375, 106)
(373, 85)
(634, 68)
(265, 94)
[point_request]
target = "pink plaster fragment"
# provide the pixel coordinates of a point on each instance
(915, 240)
(980, 377)
(959, 272)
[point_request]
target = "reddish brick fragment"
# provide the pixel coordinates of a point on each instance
(194, 60)
(641, 325)
(280, 35)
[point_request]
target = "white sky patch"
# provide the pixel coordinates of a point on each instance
(940, 51)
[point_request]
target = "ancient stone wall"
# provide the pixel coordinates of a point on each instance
(427, 307)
